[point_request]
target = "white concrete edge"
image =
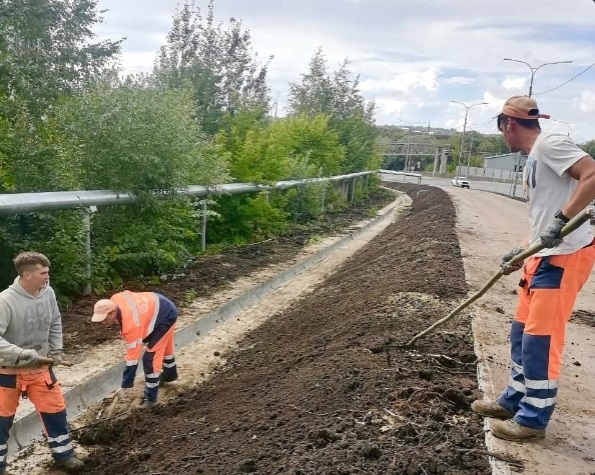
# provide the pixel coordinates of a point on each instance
(499, 467)
(28, 428)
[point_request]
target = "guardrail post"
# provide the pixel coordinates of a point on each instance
(323, 197)
(203, 227)
(353, 183)
(88, 256)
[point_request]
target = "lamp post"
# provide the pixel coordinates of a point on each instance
(467, 107)
(564, 122)
(411, 124)
(534, 70)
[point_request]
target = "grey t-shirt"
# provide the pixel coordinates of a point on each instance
(550, 188)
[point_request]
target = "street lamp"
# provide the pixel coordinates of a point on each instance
(534, 70)
(467, 107)
(564, 122)
(411, 124)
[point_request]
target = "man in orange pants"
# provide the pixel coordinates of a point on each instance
(30, 327)
(145, 318)
(560, 178)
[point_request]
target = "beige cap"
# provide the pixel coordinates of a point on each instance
(102, 308)
(522, 107)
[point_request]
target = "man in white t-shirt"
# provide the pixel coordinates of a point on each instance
(560, 180)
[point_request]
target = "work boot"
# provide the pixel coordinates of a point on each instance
(146, 404)
(72, 464)
(512, 430)
(169, 382)
(491, 409)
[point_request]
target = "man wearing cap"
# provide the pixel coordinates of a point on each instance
(560, 180)
(145, 318)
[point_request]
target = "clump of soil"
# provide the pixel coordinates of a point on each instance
(321, 389)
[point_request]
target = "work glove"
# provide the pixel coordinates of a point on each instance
(550, 237)
(27, 358)
(509, 269)
(56, 356)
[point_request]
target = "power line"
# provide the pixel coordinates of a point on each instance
(564, 84)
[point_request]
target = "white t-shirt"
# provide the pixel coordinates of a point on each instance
(550, 188)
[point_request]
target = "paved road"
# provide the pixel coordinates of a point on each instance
(504, 188)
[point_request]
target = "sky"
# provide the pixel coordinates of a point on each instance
(412, 58)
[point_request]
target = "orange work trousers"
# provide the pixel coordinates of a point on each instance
(547, 293)
(43, 391)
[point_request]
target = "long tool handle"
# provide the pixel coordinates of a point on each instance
(50, 361)
(573, 224)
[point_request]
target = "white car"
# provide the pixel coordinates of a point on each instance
(461, 181)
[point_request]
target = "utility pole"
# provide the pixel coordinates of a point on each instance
(534, 70)
(467, 107)
(469, 156)
(411, 124)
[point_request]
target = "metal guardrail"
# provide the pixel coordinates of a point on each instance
(404, 174)
(88, 200)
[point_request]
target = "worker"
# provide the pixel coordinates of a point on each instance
(561, 183)
(145, 318)
(30, 328)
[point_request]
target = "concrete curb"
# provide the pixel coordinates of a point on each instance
(499, 467)
(28, 428)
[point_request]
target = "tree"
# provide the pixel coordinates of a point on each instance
(217, 63)
(338, 96)
(589, 147)
(46, 50)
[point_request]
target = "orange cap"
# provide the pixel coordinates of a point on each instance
(102, 308)
(522, 107)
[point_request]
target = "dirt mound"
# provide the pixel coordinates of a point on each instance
(321, 388)
(211, 273)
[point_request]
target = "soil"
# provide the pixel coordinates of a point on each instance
(323, 388)
(210, 273)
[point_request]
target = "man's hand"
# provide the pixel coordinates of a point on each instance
(509, 269)
(28, 358)
(550, 237)
(57, 357)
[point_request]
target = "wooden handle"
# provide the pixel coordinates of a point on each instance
(572, 225)
(50, 361)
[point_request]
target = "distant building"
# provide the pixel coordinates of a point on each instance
(507, 161)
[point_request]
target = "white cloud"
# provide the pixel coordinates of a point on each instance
(403, 82)
(514, 83)
(458, 80)
(586, 103)
(413, 57)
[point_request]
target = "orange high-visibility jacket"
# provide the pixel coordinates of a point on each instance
(139, 312)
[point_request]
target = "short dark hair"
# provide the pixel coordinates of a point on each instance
(29, 259)
(527, 123)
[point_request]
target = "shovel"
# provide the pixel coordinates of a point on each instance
(573, 224)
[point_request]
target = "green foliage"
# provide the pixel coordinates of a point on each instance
(589, 147)
(338, 97)
(59, 235)
(67, 122)
(246, 218)
(216, 63)
(137, 139)
(46, 49)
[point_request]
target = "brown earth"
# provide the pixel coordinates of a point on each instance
(211, 273)
(322, 389)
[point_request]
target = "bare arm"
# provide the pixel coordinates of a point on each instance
(583, 172)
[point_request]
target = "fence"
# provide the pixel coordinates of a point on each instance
(88, 201)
